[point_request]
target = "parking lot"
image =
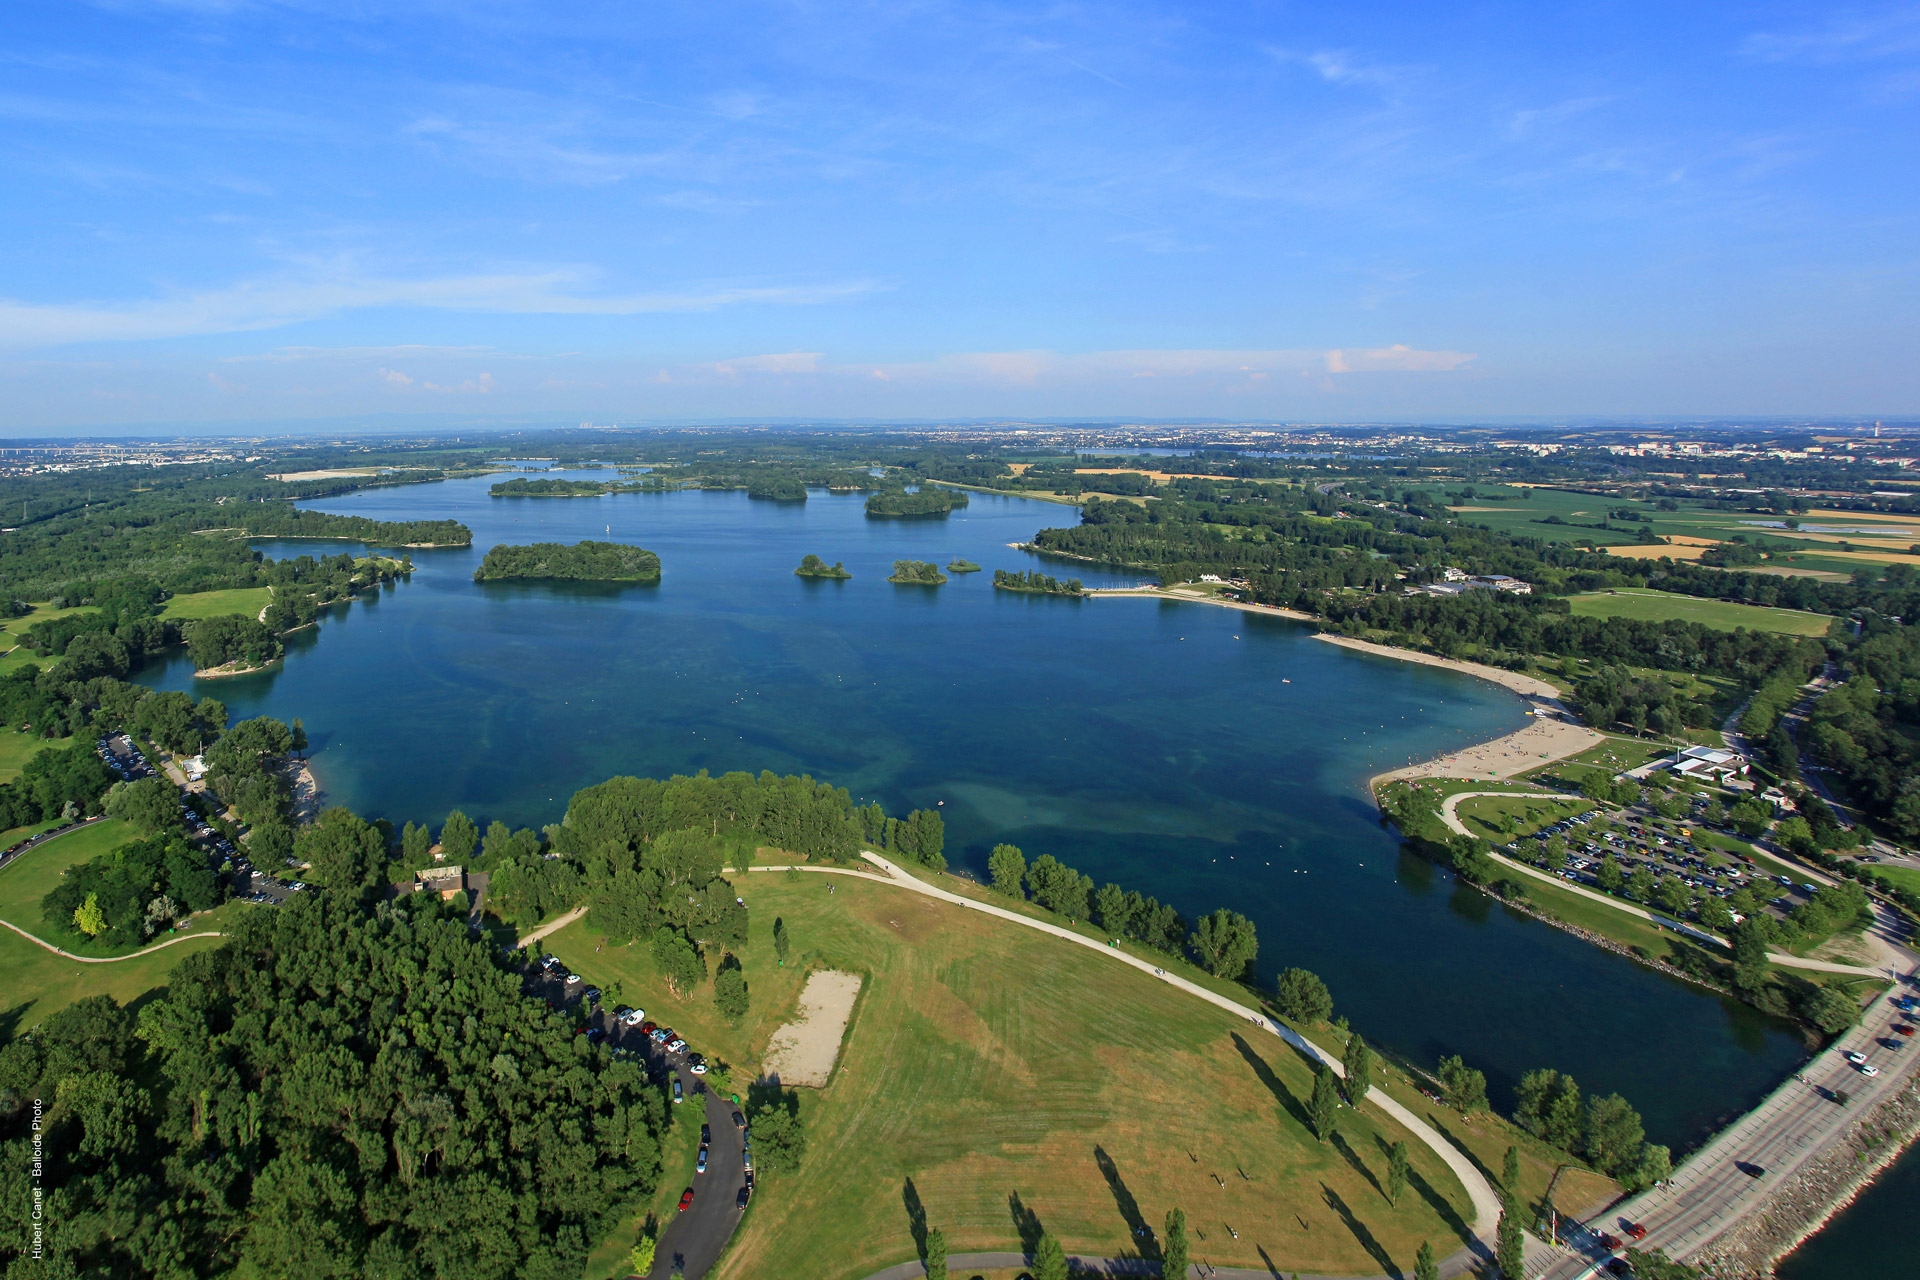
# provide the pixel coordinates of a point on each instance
(721, 1181)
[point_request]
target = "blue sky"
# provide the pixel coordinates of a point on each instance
(234, 212)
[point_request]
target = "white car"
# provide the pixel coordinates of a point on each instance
(634, 1017)
(698, 1068)
(1868, 1069)
(1857, 1059)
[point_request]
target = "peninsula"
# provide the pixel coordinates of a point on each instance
(581, 562)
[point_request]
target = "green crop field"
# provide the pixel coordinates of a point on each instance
(986, 1061)
(210, 604)
(1665, 606)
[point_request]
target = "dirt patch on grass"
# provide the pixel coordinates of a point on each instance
(803, 1051)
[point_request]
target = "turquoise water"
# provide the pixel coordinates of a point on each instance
(1871, 1237)
(1203, 755)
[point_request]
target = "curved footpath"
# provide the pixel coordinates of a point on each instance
(1452, 820)
(35, 843)
(1486, 1201)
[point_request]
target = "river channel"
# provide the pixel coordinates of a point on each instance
(1202, 755)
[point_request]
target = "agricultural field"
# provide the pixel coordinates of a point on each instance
(987, 1062)
(1665, 606)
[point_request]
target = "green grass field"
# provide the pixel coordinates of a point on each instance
(40, 984)
(1664, 606)
(210, 604)
(12, 629)
(986, 1061)
(1487, 815)
(17, 748)
(33, 875)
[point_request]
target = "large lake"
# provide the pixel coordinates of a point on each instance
(1203, 755)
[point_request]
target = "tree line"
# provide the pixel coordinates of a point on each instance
(927, 501)
(1029, 581)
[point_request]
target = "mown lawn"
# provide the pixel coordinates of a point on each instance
(17, 748)
(1486, 815)
(1004, 1071)
(34, 874)
(40, 984)
(1665, 606)
(212, 604)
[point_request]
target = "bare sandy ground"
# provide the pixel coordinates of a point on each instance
(803, 1051)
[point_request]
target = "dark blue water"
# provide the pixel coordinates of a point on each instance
(1872, 1237)
(1203, 755)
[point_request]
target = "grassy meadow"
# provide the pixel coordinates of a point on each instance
(1664, 606)
(34, 874)
(1005, 1073)
(212, 604)
(17, 748)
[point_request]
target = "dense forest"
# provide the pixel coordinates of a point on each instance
(231, 640)
(1868, 727)
(928, 502)
(342, 1089)
(583, 561)
(524, 488)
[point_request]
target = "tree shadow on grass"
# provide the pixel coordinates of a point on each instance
(1143, 1241)
(1359, 1165)
(916, 1218)
(1267, 1260)
(1360, 1230)
(1026, 1223)
(1448, 1214)
(1280, 1091)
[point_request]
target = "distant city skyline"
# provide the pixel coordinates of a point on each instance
(225, 214)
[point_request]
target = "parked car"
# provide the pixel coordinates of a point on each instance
(1868, 1069)
(698, 1068)
(706, 1134)
(740, 1201)
(592, 995)
(595, 1035)
(1856, 1057)
(676, 1091)
(1634, 1229)
(573, 979)
(631, 1017)
(700, 1161)
(686, 1199)
(739, 1121)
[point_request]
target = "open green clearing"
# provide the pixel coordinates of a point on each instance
(40, 984)
(985, 1061)
(35, 873)
(1489, 815)
(212, 604)
(17, 748)
(1664, 606)
(17, 655)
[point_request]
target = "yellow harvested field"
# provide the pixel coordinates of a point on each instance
(1865, 518)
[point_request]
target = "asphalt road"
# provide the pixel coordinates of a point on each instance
(1733, 1176)
(692, 1241)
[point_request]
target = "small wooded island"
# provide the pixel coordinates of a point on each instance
(582, 562)
(814, 567)
(524, 488)
(916, 573)
(1040, 584)
(928, 502)
(957, 565)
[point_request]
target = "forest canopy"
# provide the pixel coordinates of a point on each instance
(582, 562)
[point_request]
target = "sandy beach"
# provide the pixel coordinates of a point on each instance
(1552, 732)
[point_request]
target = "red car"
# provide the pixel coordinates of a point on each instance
(1609, 1243)
(1635, 1230)
(646, 1028)
(686, 1198)
(1903, 1029)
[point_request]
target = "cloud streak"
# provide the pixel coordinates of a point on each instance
(269, 304)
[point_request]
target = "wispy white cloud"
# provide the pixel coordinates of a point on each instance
(1849, 36)
(1032, 368)
(267, 304)
(1344, 67)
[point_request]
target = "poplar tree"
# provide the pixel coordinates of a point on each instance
(1396, 1172)
(1326, 1100)
(936, 1254)
(1424, 1266)
(1173, 1246)
(1359, 1065)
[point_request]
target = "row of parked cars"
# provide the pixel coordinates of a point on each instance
(130, 762)
(671, 1046)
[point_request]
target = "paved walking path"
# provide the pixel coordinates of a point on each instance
(1449, 816)
(1486, 1201)
(35, 843)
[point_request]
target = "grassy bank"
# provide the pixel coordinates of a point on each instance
(1665, 606)
(987, 1062)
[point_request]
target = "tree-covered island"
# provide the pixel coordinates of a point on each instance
(814, 567)
(916, 573)
(524, 488)
(926, 503)
(1037, 583)
(582, 562)
(958, 565)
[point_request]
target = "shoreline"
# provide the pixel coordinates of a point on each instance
(1552, 732)
(222, 672)
(1754, 1249)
